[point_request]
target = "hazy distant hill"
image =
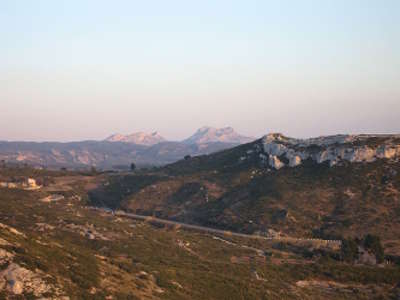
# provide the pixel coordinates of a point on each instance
(74, 154)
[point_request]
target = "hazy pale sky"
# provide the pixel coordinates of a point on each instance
(76, 69)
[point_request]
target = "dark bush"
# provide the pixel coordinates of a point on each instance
(374, 245)
(349, 250)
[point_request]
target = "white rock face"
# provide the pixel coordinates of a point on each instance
(17, 280)
(275, 162)
(331, 149)
(294, 160)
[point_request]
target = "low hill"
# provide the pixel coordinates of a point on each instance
(101, 154)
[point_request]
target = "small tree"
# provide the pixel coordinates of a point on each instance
(374, 245)
(187, 157)
(133, 167)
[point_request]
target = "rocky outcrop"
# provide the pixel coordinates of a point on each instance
(88, 231)
(275, 162)
(52, 198)
(29, 184)
(12, 230)
(332, 149)
(18, 280)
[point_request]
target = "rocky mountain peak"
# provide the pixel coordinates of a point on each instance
(274, 137)
(208, 134)
(139, 138)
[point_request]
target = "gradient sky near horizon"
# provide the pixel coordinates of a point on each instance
(80, 69)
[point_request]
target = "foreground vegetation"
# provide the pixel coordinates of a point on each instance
(83, 253)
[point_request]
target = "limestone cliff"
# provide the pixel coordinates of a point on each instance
(284, 151)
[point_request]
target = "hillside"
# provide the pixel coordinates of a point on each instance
(338, 186)
(53, 246)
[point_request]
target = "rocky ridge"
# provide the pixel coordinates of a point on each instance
(280, 151)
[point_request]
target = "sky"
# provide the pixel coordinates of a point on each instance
(82, 69)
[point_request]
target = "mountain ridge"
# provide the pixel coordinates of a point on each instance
(207, 134)
(138, 138)
(203, 135)
(278, 150)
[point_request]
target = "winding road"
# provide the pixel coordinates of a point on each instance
(200, 228)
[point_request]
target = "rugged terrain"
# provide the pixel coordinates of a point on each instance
(54, 247)
(330, 187)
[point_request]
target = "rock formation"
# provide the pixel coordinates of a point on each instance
(332, 149)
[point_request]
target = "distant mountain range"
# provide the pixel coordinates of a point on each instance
(204, 135)
(119, 151)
